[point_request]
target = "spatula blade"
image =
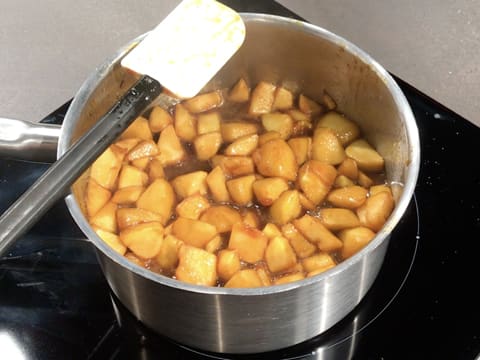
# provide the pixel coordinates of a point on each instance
(189, 46)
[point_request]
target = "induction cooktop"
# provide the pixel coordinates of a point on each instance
(56, 304)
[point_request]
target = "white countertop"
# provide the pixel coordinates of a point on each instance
(49, 47)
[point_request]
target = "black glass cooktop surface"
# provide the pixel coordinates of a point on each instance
(56, 304)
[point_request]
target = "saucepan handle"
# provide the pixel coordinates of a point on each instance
(25, 140)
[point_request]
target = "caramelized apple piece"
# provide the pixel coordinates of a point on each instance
(276, 158)
(228, 263)
(301, 147)
(216, 182)
(348, 168)
(234, 165)
(208, 122)
(242, 146)
(267, 136)
(326, 147)
(155, 170)
(308, 106)
(145, 148)
(167, 257)
(196, 266)
(279, 255)
(247, 278)
(111, 239)
(345, 129)
(203, 102)
(234, 130)
(128, 195)
(131, 176)
(240, 92)
(193, 232)
(192, 207)
(283, 99)
(299, 243)
(96, 197)
(139, 128)
(207, 145)
(318, 263)
(271, 230)
(106, 167)
(316, 232)
(158, 197)
(268, 190)
(159, 119)
(190, 184)
(286, 208)
(279, 122)
(315, 179)
(169, 146)
(144, 240)
(376, 210)
(336, 219)
(262, 99)
(185, 123)
(105, 218)
(354, 240)
(250, 243)
(367, 158)
(289, 278)
(241, 190)
(133, 216)
(350, 197)
(222, 217)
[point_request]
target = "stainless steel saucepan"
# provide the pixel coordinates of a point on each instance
(299, 56)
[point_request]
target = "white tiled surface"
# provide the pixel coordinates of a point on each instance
(48, 47)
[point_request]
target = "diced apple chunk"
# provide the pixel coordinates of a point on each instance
(267, 136)
(276, 158)
(316, 232)
(139, 128)
(279, 122)
(303, 248)
(185, 123)
(216, 183)
(286, 208)
(196, 266)
(128, 195)
(111, 240)
(228, 263)
(96, 197)
(308, 106)
(241, 190)
(247, 278)
(208, 122)
(106, 167)
(283, 99)
(192, 207)
(127, 217)
(289, 278)
(170, 148)
(271, 230)
(222, 217)
(105, 218)
(234, 130)
(131, 176)
(262, 98)
(159, 198)
(345, 129)
(203, 102)
(144, 240)
(279, 255)
(159, 119)
(348, 168)
(326, 147)
(268, 190)
(350, 197)
(145, 148)
(242, 146)
(367, 158)
(301, 147)
(315, 179)
(336, 219)
(240, 92)
(250, 243)
(167, 257)
(190, 184)
(376, 210)
(318, 263)
(354, 240)
(207, 145)
(193, 232)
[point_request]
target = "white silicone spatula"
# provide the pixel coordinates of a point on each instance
(181, 54)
